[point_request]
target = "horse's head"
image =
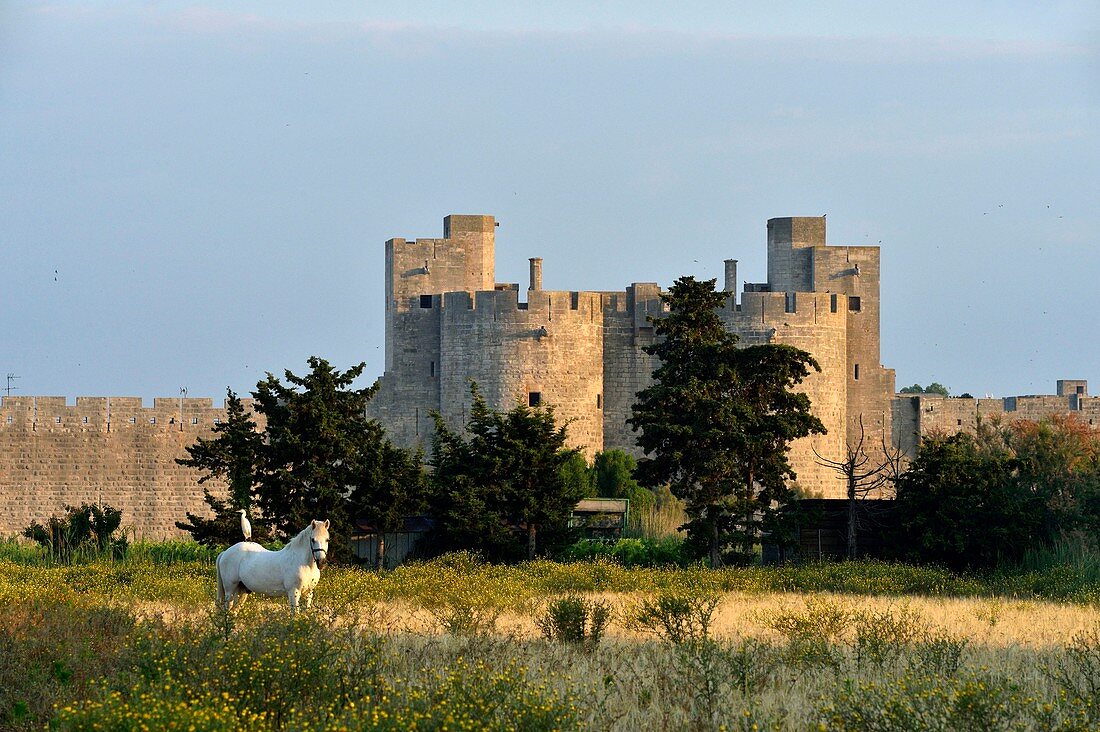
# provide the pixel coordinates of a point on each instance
(318, 541)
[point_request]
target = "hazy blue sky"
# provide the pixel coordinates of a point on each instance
(191, 195)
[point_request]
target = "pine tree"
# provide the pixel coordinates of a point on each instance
(391, 488)
(318, 444)
(506, 478)
(716, 422)
(234, 454)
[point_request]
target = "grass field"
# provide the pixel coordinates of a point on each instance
(454, 644)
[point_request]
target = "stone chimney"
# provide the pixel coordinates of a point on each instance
(536, 274)
(731, 278)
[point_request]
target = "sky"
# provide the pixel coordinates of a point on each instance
(192, 195)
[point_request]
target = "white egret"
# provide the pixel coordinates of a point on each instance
(246, 528)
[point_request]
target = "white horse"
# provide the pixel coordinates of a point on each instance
(293, 571)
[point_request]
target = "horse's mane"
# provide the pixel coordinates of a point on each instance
(301, 535)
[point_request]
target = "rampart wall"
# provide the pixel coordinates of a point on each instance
(516, 351)
(920, 415)
(104, 450)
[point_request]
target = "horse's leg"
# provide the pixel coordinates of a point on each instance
(221, 587)
(307, 599)
(293, 596)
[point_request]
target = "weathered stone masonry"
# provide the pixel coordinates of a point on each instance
(102, 450)
(448, 321)
(920, 415)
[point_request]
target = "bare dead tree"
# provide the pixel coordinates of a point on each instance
(863, 475)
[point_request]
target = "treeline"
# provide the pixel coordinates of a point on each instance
(715, 427)
(987, 500)
(504, 486)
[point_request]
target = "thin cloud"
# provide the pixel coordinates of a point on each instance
(628, 37)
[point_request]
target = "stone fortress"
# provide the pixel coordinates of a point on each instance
(448, 321)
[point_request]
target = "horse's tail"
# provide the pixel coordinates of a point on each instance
(218, 578)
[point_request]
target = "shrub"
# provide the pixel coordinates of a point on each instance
(635, 552)
(936, 654)
(677, 617)
(461, 610)
(811, 634)
(979, 701)
(822, 618)
(573, 619)
(82, 533)
(883, 636)
(1077, 668)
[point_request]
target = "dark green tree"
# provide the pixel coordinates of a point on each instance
(578, 474)
(503, 487)
(934, 388)
(614, 471)
(716, 423)
(962, 505)
(318, 443)
(234, 454)
(393, 486)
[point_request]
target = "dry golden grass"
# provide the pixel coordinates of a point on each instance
(993, 623)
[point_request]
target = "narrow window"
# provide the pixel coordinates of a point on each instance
(85, 420)
(599, 401)
(853, 304)
(57, 420)
(960, 422)
(133, 420)
(534, 398)
(433, 368)
(194, 420)
(152, 420)
(417, 421)
(857, 371)
(1080, 390)
(832, 303)
(9, 419)
(426, 301)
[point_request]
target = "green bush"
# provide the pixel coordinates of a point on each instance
(666, 552)
(573, 619)
(84, 532)
(677, 617)
(978, 701)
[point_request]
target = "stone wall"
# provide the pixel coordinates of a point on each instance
(920, 415)
(101, 450)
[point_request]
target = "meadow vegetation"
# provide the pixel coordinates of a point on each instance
(459, 644)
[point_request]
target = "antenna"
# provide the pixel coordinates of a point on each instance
(183, 395)
(10, 388)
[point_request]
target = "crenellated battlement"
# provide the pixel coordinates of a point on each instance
(505, 304)
(790, 309)
(189, 414)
